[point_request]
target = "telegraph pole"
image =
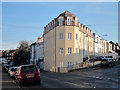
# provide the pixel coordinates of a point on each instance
(55, 43)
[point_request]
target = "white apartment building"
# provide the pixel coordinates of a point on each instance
(36, 53)
(98, 45)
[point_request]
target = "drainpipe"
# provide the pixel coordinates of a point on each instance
(55, 46)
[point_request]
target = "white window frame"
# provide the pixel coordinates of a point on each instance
(69, 50)
(69, 36)
(61, 50)
(61, 64)
(69, 21)
(61, 21)
(76, 50)
(61, 36)
(69, 64)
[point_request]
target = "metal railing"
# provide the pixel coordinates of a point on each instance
(79, 66)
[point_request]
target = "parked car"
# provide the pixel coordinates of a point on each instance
(27, 74)
(93, 59)
(12, 71)
(107, 62)
(99, 58)
(4, 64)
(3, 60)
(7, 67)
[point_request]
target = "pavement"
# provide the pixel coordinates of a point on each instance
(8, 83)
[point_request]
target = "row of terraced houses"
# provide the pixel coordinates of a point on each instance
(67, 42)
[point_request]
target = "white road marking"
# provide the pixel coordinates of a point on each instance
(78, 85)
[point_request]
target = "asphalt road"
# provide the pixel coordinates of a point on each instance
(8, 83)
(88, 78)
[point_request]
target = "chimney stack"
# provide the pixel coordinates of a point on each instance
(39, 38)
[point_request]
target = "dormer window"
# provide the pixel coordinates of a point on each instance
(69, 21)
(76, 22)
(61, 21)
(82, 27)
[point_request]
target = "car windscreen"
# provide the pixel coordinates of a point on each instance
(104, 59)
(15, 69)
(28, 69)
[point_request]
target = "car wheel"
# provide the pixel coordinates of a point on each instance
(113, 64)
(13, 77)
(110, 64)
(8, 74)
(19, 83)
(16, 81)
(39, 82)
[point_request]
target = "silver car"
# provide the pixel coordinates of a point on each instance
(12, 70)
(107, 62)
